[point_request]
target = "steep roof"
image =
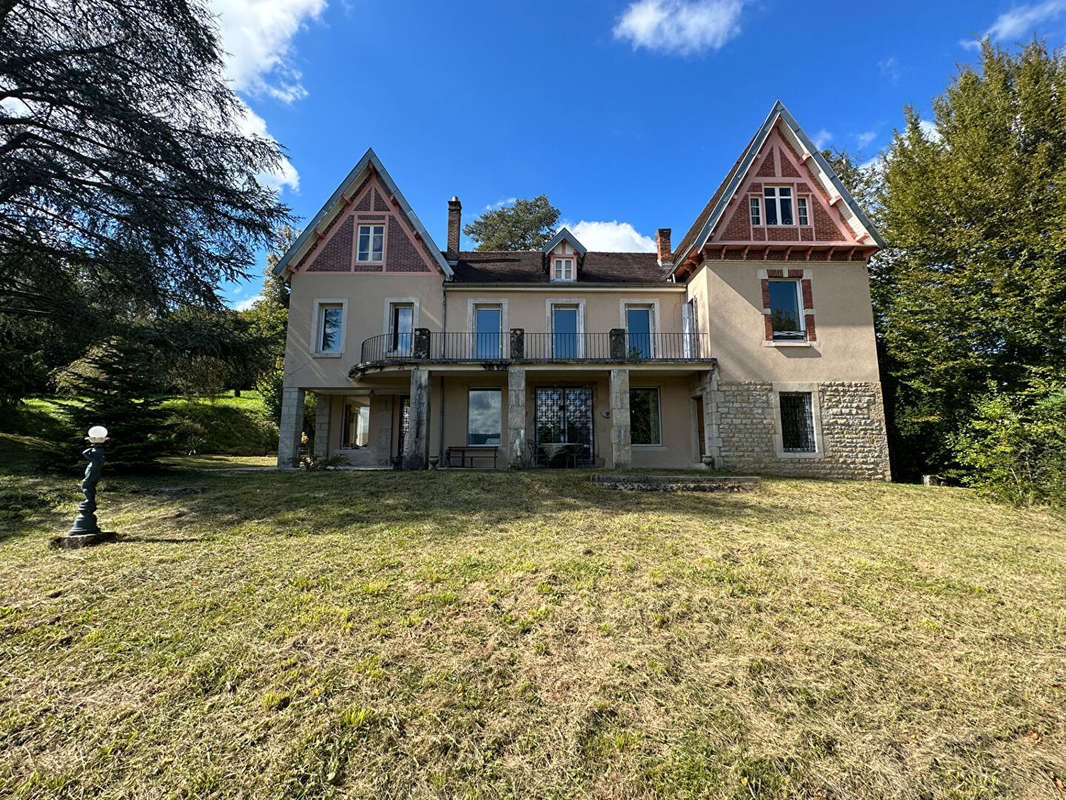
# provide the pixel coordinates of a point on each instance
(369, 163)
(705, 223)
(526, 266)
(564, 235)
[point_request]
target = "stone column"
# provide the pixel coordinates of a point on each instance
(323, 403)
(621, 442)
(292, 425)
(712, 435)
(516, 417)
(416, 445)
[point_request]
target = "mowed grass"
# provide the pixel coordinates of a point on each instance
(527, 635)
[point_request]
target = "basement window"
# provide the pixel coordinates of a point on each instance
(797, 422)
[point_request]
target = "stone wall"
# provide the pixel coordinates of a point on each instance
(852, 431)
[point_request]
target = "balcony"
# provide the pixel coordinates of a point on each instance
(612, 347)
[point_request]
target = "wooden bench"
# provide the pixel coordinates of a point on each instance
(474, 455)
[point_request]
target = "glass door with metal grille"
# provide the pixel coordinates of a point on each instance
(564, 426)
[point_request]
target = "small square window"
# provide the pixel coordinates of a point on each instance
(801, 210)
(371, 243)
(797, 422)
(756, 211)
(563, 269)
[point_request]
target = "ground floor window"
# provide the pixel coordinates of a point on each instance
(484, 417)
(644, 423)
(355, 430)
(797, 422)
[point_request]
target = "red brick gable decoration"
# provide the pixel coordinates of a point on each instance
(780, 165)
(371, 204)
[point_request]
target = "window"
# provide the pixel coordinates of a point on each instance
(801, 210)
(355, 432)
(785, 310)
(487, 333)
(797, 422)
(563, 269)
(565, 335)
(330, 327)
(371, 243)
(644, 425)
(401, 327)
(778, 205)
(756, 211)
(484, 417)
(638, 332)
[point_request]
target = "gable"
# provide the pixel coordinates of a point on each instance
(337, 250)
(368, 196)
(779, 155)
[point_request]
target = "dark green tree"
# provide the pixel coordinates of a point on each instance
(973, 287)
(523, 225)
(126, 184)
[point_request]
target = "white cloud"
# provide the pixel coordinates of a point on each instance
(1020, 20)
(889, 68)
(930, 130)
(285, 174)
(510, 201)
(680, 27)
(822, 138)
(865, 138)
(257, 37)
(610, 237)
(248, 302)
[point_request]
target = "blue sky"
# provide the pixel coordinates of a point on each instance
(626, 114)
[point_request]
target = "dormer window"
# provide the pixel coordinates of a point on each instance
(562, 269)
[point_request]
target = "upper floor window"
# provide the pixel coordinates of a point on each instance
(639, 328)
(785, 310)
(330, 325)
(756, 211)
(801, 211)
(401, 327)
(566, 329)
(488, 337)
(371, 243)
(563, 269)
(778, 201)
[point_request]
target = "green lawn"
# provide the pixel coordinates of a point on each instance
(518, 635)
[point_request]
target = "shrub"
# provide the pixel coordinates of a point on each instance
(1014, 447)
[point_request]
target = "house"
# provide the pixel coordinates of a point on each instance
(747, 346)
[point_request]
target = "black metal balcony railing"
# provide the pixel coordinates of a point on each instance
(615, 346)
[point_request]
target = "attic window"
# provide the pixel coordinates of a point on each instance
(563, 269)
(801, 211)
(778, 205)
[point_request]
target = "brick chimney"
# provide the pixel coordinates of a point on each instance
(662, 246)
(455, 213)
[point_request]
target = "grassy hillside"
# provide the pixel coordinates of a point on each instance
(388, 635)
(38, 429)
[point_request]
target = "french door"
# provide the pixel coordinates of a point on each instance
(564, 417)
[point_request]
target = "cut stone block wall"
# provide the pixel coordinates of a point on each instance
(853, 438)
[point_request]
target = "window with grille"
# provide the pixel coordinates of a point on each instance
(797, 422)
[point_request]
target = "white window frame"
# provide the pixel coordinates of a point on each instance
(567, 302)
(803, 218)
(569, 264)
(814, 390)
(387, 326)
(755, 210)
(799, 306)
(359, 235)
(776, 200)
(316, 321)
(659, 405)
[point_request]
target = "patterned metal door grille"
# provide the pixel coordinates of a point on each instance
(564, 416)
(405, 415)
(797, 422)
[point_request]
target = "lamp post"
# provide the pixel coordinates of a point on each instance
(85, 530)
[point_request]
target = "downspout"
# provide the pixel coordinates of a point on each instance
(444, 330)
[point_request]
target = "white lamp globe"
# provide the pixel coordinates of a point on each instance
(97, 434)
